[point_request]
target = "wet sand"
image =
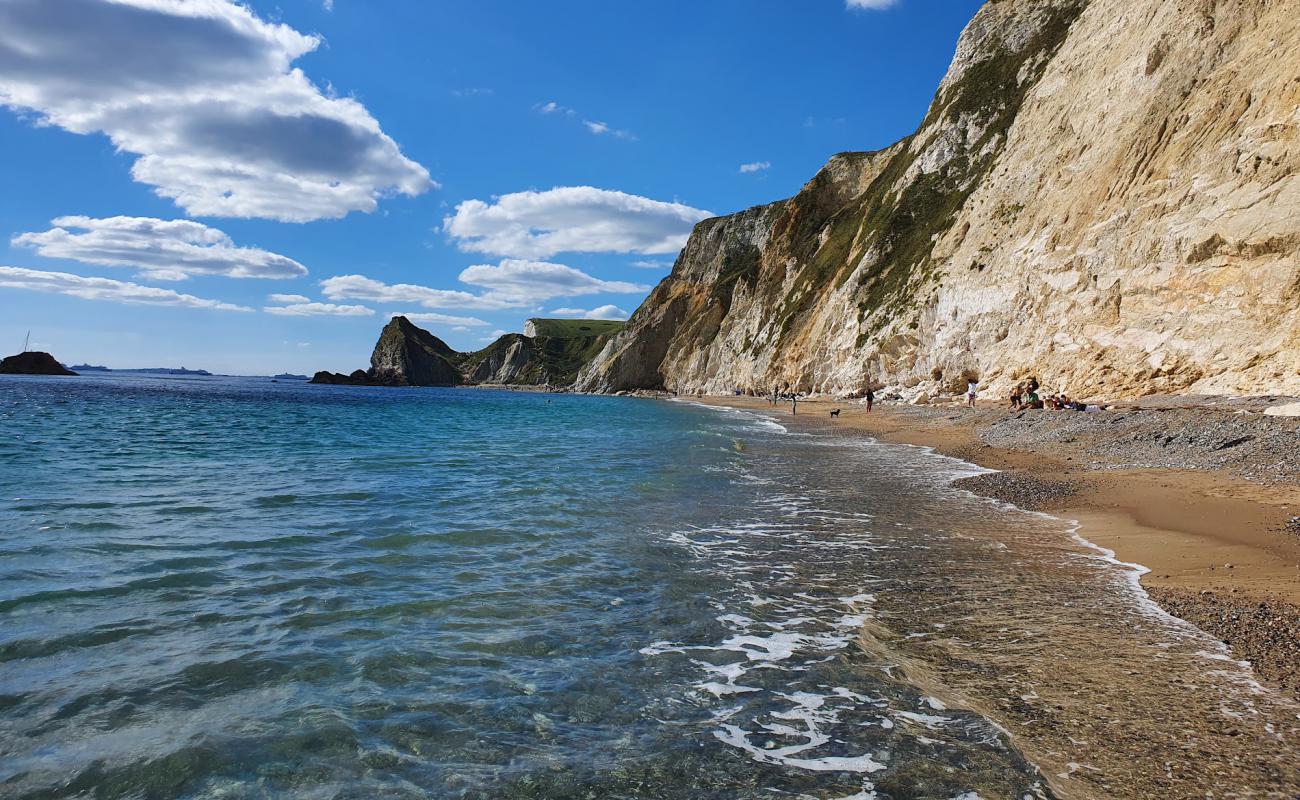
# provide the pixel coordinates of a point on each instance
(1218, 548)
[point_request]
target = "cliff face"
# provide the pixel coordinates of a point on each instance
(1103, 194)
(406, 355)
(521, 360)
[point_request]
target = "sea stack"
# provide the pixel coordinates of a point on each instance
(33, 363)
(405, 355)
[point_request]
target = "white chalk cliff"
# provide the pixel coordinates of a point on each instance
(1104, 194)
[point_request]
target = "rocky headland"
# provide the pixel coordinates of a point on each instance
(33, 363)
(407, 355)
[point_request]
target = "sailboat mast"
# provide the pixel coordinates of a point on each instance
(27, 341)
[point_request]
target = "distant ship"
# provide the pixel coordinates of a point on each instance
(289, 376)
(169, 371)
(88, 368)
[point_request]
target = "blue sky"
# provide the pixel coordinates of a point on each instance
(170, 166)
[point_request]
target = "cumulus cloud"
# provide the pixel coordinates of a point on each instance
(652, 264)
(512, 284)
(873, 5)
(359, 287)
(461, 323)
(755, 166)
(603, 312)
(104, 289)
(319, 310)
(571, 219)
(159, 249)
(205, 94)
(288, 298)
(526, 282)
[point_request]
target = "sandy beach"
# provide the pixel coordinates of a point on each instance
(1218, 536)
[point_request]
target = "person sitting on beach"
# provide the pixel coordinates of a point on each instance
(1032, 400)
(1016, 394)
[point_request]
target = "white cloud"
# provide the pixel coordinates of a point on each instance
(873, 5)
(603, 128)
(526, 282)
(359, 287)
(204, 92)
(472, 91)
(319, 310)
(461, 323)
(755, 166)
(159, 249)
(577, 219)
(512, 284)
(652, 264)
(594, 127)
(603, 312)
(288, 298)
(104, 289)
(554, 108)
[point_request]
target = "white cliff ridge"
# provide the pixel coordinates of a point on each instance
(1104, 194)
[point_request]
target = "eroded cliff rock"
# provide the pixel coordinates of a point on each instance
(405, 355)
(1104, 193)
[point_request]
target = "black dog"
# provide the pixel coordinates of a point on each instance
(835, 413)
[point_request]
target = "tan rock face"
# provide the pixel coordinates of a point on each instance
(1104, 194)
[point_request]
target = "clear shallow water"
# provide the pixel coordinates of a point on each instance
(232, 588)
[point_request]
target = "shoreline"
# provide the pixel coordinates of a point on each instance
(1219, 551)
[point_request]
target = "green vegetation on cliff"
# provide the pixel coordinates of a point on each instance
(571, 328)
(516, 359)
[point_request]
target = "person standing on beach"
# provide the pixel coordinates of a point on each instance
(871, 399)
(794, 404)
(972, 387)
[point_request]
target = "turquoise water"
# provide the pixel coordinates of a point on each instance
(236, 588)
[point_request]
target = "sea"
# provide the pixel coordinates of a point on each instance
(238, 588)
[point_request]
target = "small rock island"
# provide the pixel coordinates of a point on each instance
(33, 362)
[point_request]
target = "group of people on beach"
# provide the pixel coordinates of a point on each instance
(1025, 396)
